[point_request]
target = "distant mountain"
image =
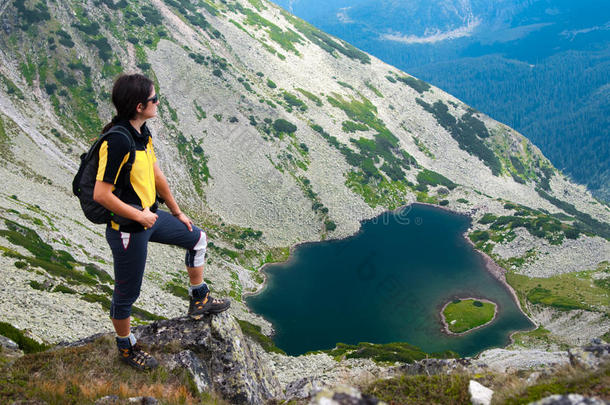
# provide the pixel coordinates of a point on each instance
(541, 66)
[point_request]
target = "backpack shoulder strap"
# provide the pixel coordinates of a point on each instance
(126, 169)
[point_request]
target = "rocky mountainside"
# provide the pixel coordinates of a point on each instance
(214, 356)
(271, 133)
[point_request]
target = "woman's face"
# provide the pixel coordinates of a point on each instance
(149, 108)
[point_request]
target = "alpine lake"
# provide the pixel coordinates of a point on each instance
(387, 283)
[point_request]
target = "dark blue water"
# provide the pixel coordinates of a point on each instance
(385, 284)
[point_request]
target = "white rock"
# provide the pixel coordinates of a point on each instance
(479, 394)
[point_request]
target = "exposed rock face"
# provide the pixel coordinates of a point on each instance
(590, 356)
(9, 348)
(218, 356)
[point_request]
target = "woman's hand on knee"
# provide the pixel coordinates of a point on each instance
(185, 220)
(147, 218)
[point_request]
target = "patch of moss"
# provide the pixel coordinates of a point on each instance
(28, 345)
(254, 331)
(563, 292)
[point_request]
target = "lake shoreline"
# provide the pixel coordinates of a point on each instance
(490, 265)
(445, 328)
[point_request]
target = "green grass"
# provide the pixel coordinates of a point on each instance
(82, 375)
(311, 96)
(431, 178)
(254, 331)
(286, 39)
(463, 315)
(537, 338)
(28, 345)
(422, 389)
(588, 383)
(564, 292)
(351, 126)
(384, 353)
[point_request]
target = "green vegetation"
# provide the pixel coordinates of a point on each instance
(565, 291)
(537, 338)
(28, 345)
(281, 126)
(63, 376)
(468, 131)
(422, 147)
(367, 180)
(416, 84)
(196, 159)
(428, 177)
(10, 87)
(422, 389)
(56, 262)
(585, 222)
(536, 222)
(271, 84)
(351, 126)
(286, 39)
(254, 331)
(373, 89)
(346, 85)
(324, 41)
(293, 101)
(32, 16)
(589, 383)
(488, 218)
(385, 353)
(199, 112)
(464, 315)
(310, 96)
(385, 145)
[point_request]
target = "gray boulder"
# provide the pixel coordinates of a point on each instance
(217, 354)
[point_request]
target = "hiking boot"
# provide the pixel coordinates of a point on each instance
(207, 305)
(137, 358)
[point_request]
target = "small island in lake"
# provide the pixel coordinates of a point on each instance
(464, 315)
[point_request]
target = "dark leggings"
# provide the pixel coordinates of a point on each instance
(129, 255)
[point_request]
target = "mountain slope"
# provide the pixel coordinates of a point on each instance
(271, 133)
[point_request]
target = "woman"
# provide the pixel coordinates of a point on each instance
(140, 221)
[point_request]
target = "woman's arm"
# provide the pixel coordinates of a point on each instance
(164, 192)
(102, 194)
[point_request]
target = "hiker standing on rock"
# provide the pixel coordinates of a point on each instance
(136, 220)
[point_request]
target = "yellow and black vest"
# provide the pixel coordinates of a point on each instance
(113, 154)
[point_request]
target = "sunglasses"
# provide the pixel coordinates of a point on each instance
(154, 99)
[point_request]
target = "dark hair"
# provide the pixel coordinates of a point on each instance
(128, 91)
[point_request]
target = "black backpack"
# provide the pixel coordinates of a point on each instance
(84, 181)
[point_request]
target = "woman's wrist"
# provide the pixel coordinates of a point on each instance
(177, 213)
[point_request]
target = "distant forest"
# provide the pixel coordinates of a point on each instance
(562, 104)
